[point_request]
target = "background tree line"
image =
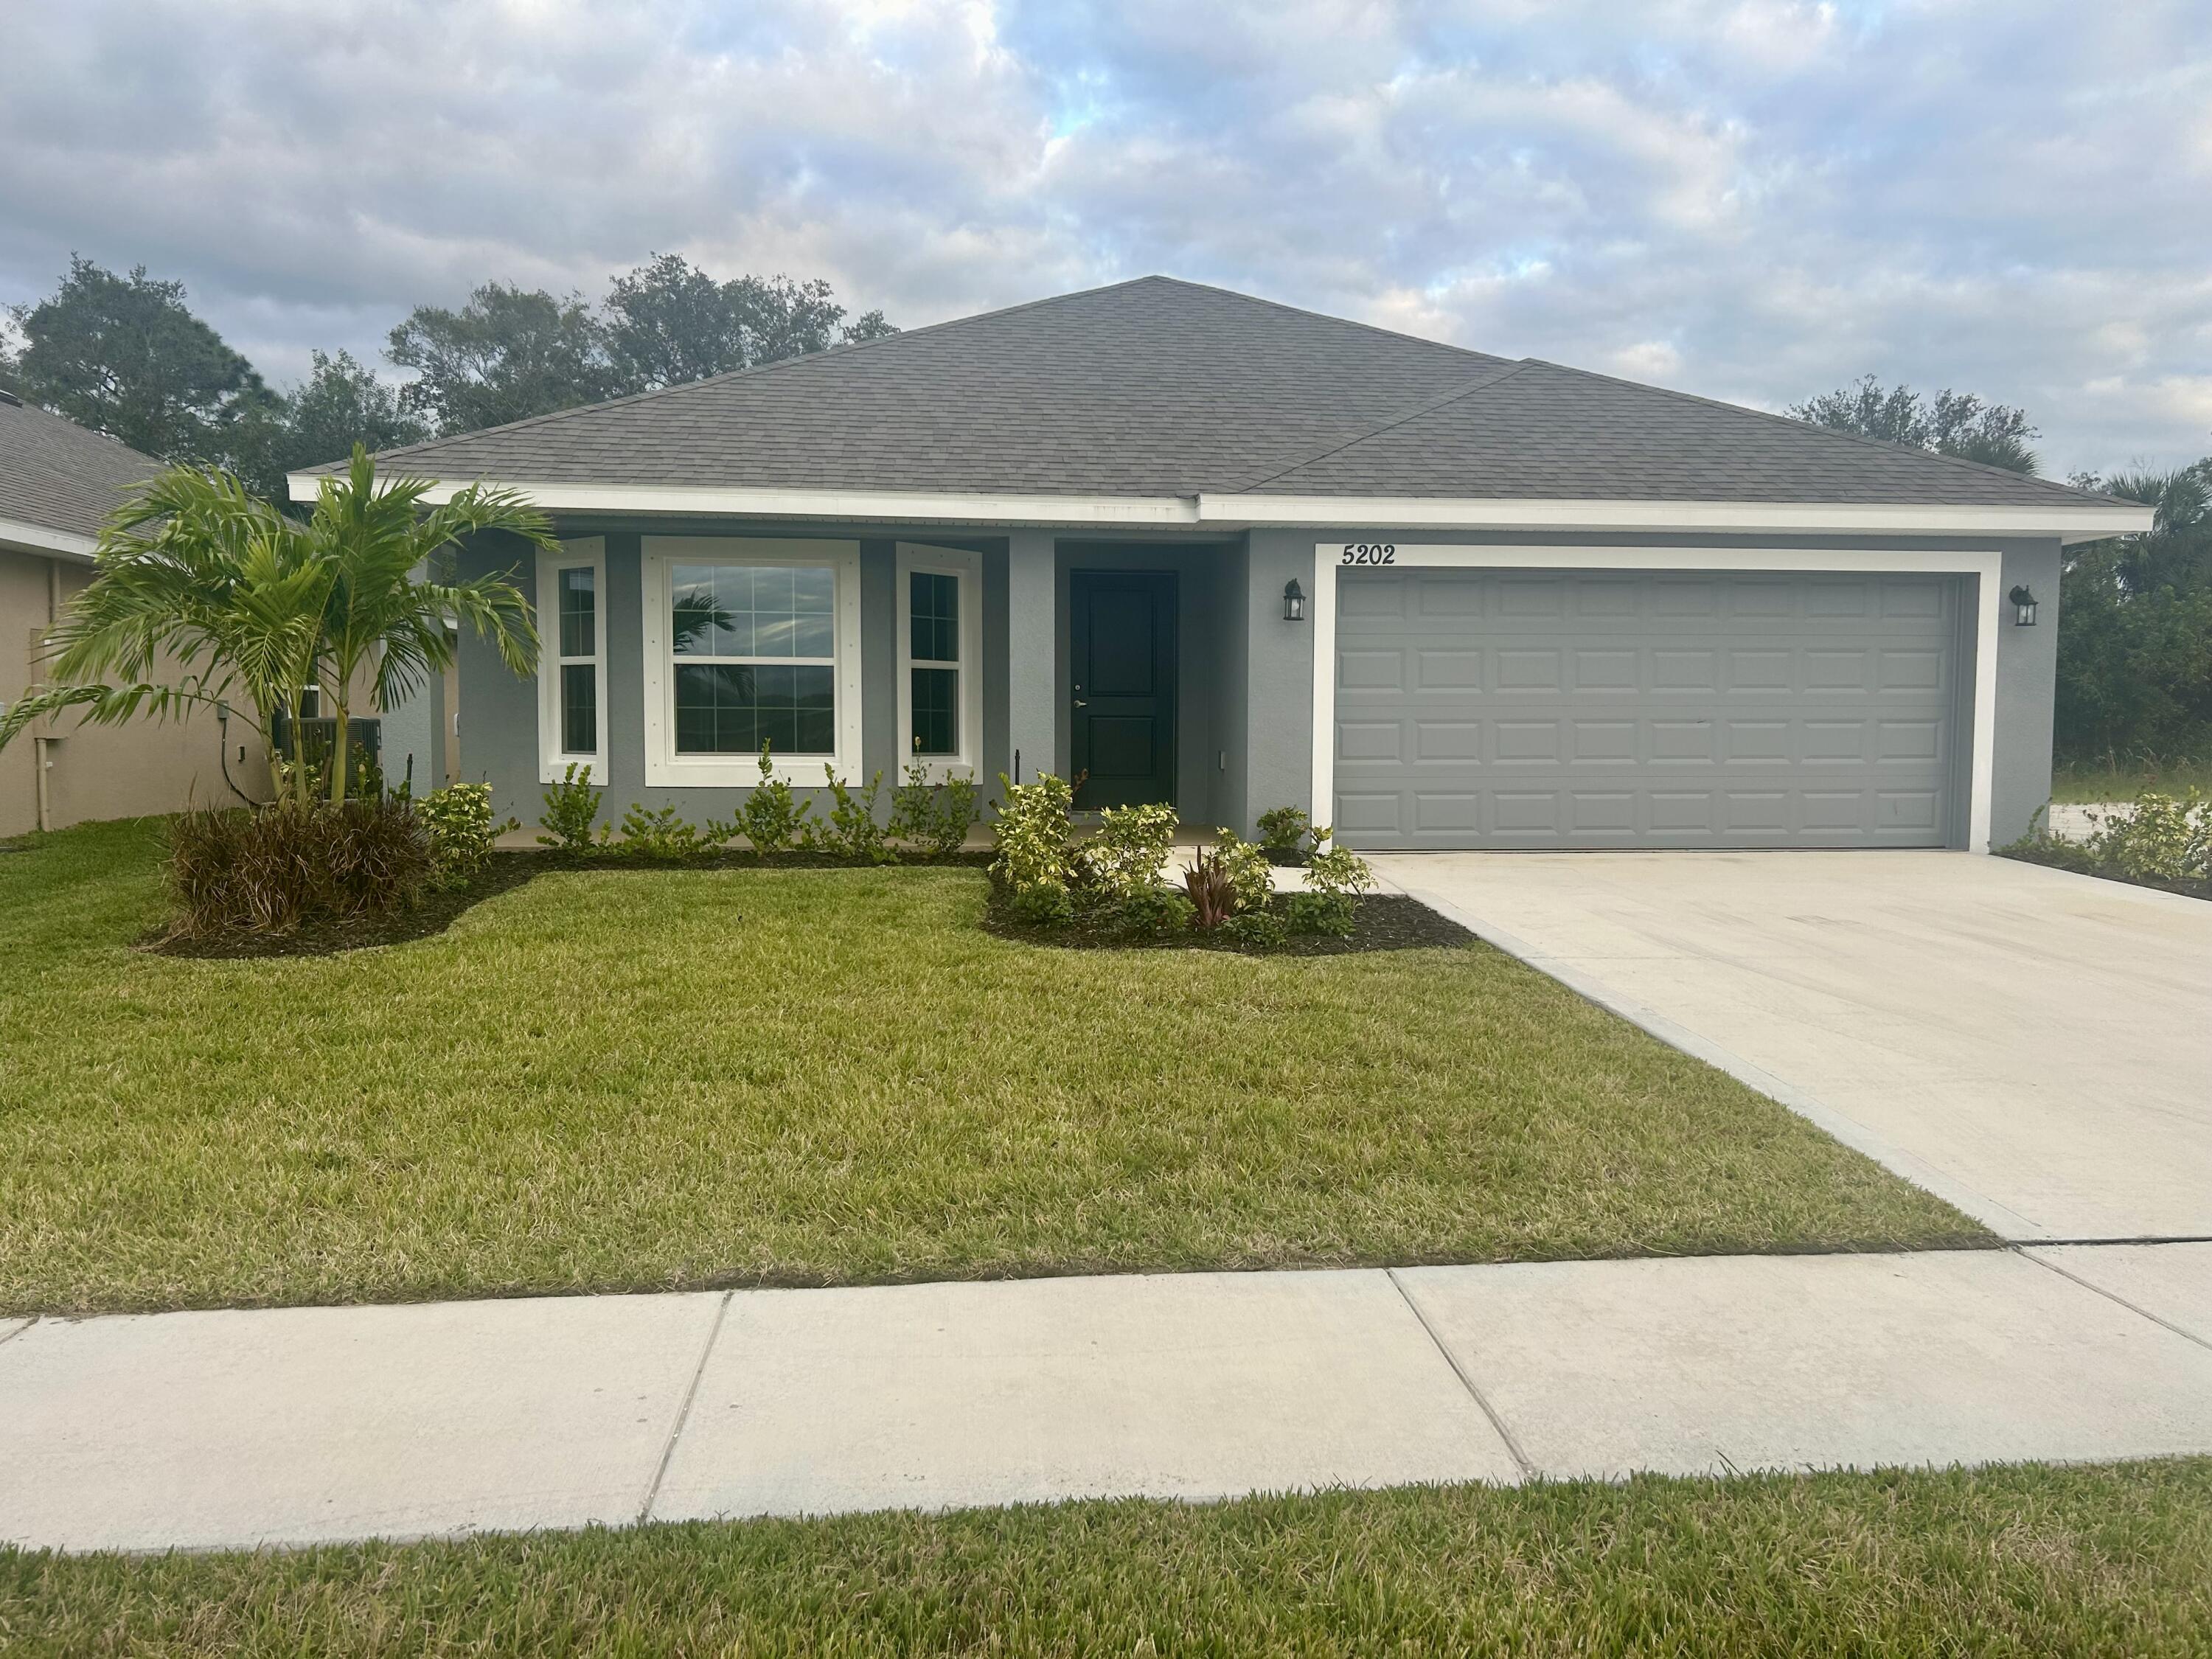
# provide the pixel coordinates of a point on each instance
(126, 355)
(2134, 612)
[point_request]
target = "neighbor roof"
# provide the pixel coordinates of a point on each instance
(1162, 387)
(58, 477)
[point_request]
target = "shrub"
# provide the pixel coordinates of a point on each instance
(1246, 865)
(571, 806)
(1030, 859)
(1319, 912)
(1263, 930)
(933, 819)
(2163, 838)
(459, 821)
(1148, 911)
(270, 870)
(854, 830)
(1281, 829)
(662, 836)
(1125, 856)
(773, 818)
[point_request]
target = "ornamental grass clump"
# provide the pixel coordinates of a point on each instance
(275, 869)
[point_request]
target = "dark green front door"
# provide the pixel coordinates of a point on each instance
(1123, 655)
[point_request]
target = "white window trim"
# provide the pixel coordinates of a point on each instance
(663, 765)
(1986, 568)
(587, 553)
(968, 568)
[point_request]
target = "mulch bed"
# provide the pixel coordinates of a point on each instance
(506, 872)
(1381, 921)
(2066, 856)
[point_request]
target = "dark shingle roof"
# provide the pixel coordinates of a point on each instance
(58, 476)
(1164, 387)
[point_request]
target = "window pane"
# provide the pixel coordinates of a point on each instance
(933, 601)
(731, 710)
(580, 636)
(696, 608)
(580, 708)
(754, 611)
(936, 711)
(814, 590)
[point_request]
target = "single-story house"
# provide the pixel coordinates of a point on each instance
(58, 483)
(1195, 547)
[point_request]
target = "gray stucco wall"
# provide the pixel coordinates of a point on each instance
(2027, 683)
(1246, 686)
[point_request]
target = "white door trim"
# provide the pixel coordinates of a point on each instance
(1984, 566)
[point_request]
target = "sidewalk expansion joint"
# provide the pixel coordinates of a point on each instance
(2181, 1331)
(20, 1329)
(1497, 1423)
(683, 1412)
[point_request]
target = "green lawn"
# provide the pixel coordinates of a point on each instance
(2081, 1560)
(625, 1079)
(2091, 784)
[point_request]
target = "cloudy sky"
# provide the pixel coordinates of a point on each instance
(1754, 199)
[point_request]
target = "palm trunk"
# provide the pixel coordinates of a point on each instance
(338, 754)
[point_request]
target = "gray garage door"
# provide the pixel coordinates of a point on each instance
(1532, 708)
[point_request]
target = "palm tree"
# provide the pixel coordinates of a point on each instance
(253, 605)
(372, 540)
(199, 572)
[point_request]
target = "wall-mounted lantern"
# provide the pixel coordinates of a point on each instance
(2023, 606)
(1294, 601)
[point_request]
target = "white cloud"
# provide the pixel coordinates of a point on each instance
(1753, 199)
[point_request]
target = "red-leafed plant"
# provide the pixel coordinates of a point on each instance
(1212, 890)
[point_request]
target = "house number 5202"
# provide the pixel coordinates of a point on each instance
(1368, 553)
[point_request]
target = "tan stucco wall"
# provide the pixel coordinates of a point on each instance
(95, 772)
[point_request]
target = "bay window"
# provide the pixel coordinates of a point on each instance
(750, 641)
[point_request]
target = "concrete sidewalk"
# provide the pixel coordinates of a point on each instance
(200, 1430)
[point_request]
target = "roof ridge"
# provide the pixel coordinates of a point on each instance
(1319, 316)
(842, 347)
(1981, 468)
(1507, 370)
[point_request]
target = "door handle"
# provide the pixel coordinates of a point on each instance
(1082, 702)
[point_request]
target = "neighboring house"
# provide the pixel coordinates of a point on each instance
(58, 483)
(1195, 547)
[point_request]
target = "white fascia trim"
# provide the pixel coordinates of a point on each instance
(590, 553)
(663, 767)
(2069, 524)
(1232, 511)
(19, 536)
(891, 506)
(1988, 601)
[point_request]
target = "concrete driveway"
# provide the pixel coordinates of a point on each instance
(2034, 1046)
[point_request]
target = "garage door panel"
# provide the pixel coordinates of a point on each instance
(1447, 669)
(1644, 709)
